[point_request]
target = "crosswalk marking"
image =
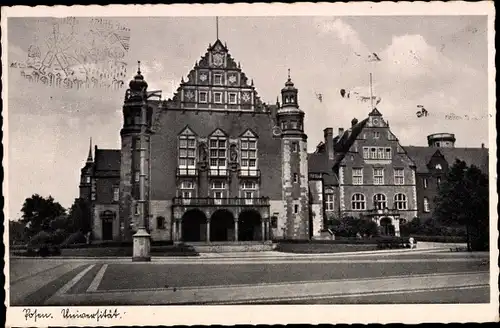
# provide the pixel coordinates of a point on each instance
(64, 289)
(97, 279)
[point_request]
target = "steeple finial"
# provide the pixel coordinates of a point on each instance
(138, 67)
(289, 75)
(89, 157)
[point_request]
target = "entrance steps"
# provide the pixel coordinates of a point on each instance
(232, 246)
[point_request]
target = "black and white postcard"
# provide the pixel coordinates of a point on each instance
(250, 164)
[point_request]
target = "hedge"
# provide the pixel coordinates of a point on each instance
(441, 239)
(352, 241)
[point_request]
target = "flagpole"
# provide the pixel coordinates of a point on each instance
(217, 26)
(371, 91)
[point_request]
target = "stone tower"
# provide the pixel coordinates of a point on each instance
(294, 164)
(86, 176)
(135, 98)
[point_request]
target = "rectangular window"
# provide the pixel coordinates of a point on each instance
(399, 177)
(426, 205)
(357, 176)
(187, 185)
(218, 185)
(438, 180)
(232, 98)
(376, 134)
(248, 154)
(388, 153)
(203, 97)
(116, 194)
(295, 178)
(87, 179)
(295, 147)
(187, 152)
(218, 153)
(160, 222)
(329, 202)
(296, 208)
(218, 97)
(137, 176)
(425, 183)
(218, 79)
(378, 176)
(274, 222)
(366, 153)
(377, 153)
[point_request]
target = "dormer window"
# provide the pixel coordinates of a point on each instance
(439, 167)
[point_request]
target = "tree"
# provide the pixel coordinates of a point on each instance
(17, 232)
(38, 212)
(463, 199)
(79, 216)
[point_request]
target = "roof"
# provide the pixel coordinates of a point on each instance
(319, 163)
(107, 159)
(471, 156)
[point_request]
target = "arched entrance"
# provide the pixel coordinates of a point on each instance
(194, 226)
(222, 226)
(249, 226)
(386, 227)
(107, 218)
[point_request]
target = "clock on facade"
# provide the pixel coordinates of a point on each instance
(375, 121)
(203, 77)
(218, 59)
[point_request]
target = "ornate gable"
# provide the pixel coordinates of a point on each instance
(187, 132)
(217, 82)
(375, 119)
(218, 133)
(248, 134)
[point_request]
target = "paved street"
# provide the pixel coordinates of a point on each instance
(254, 278)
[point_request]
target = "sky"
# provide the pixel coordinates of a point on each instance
(439, 62)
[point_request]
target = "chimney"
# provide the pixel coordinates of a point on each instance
(482, 145)
(341, 131)
(328, 132)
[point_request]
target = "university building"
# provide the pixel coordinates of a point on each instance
(222, 165)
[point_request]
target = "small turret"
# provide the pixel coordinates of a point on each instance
(441, 140)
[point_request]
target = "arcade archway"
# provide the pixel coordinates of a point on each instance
(194, 226)
(222, 226)
(249, 226)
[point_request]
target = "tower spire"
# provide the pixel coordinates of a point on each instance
(289, 75)
(89, 157)
(138, 67)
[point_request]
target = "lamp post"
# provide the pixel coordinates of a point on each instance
(142, 239)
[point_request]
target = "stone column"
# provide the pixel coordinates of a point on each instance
(236, 229)
(179, 231)
(208, 230)
(263, 229)
(174, 232)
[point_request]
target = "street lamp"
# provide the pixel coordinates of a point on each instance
(142, 239)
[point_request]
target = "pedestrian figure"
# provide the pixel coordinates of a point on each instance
(412, 243)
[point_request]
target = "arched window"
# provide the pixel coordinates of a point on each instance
(358, 202)
(379, 201)
(160, 222)
(400, 201)
(426, 205)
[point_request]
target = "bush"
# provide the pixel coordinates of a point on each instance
(75, 238)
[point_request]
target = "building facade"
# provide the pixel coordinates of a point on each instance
(99, 187)
(222, 165)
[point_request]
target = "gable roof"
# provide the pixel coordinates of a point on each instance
(107, 159)
(319, 163)
(216, 59)
(471, 156)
